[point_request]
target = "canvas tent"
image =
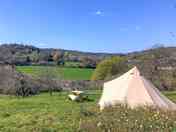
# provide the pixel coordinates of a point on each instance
(134, 90)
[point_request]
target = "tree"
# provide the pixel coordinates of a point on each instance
(152, 66)
(88, 62)
(25, 87)
(58, 57)
(48, 76)
(34, 56)
(44, 56)
(16, 83)
(109, 67)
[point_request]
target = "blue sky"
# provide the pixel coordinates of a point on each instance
(89, 25)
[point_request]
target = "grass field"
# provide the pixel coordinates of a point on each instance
(44, 113)
(71, 64)
(66, 73)
(41, 113)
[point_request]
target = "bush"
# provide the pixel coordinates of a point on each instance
(26, 87)
(109, 67)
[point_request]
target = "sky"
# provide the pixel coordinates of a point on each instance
(89, 25)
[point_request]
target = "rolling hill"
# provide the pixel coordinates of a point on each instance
(31, 55)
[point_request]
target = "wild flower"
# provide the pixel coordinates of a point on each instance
(122, 118)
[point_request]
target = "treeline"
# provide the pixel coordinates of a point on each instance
(156, 64)
(30, 55)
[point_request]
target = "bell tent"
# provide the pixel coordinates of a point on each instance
(134, 90)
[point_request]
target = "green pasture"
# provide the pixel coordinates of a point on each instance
(44, 113)
(62, 72)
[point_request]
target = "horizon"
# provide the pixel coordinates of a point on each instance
(152, 47)
(91, 26)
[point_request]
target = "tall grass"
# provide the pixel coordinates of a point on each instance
(123, 119)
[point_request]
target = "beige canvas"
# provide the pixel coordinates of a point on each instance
(134, 90)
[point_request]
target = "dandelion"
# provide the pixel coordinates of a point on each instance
(99, 124)
(167, 117)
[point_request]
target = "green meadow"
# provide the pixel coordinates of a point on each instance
(44, 113)
(63, 72)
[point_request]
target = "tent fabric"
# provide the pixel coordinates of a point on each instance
(134, 90)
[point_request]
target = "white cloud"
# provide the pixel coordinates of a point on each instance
(99, 13)
(41, 44)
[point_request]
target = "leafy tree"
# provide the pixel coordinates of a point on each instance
(109, 67)
(66, 56)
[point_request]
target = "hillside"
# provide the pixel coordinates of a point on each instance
(31, 55)
(27, 55)
(156, 64)
(165, 56)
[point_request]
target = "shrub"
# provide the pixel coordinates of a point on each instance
(109, 67)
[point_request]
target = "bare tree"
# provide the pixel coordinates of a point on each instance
(48, 76)
(58, 57)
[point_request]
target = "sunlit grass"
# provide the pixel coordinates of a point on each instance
(65, 73)
(55, 113)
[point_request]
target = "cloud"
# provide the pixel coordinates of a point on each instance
(172, 34)
(41, 44)
(99, 13)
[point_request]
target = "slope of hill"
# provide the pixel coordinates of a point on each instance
(27, 55)
(157, 64)
(165, 56)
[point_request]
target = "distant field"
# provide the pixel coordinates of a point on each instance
(44, 113)
(65, 73)
(71, 64)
